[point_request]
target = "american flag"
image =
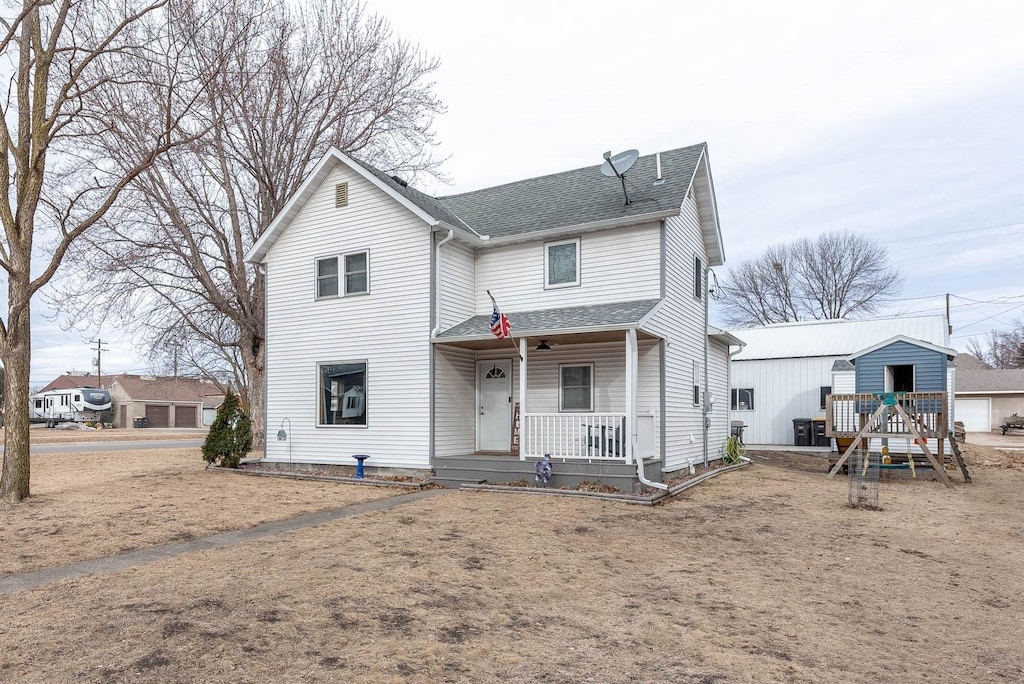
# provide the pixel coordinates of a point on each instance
(500, 325)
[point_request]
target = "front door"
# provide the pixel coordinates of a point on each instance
(494, 405)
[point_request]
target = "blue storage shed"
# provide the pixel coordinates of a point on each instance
(902, 364)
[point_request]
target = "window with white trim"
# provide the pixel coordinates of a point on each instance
(562, 263)
(698, 278)
(696, 383)
(342, 391)
(357, 273)
(354, 277)
(742, 399)
(576, 387)
(327, 277)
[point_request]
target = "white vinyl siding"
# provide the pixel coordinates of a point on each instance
(455, 401)
(389, 330)
(615, 266)
(458, 283)
(718, 388)
(680, 320)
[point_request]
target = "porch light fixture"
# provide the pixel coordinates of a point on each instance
(543, 346)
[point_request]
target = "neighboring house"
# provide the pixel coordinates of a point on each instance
(162, 402)
(378, 322)
(71, 380)
(986, 396)
(785, 370)
(921, 372)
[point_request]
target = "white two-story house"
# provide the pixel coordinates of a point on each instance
(378, 323)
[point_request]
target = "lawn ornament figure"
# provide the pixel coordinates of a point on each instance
(543, 470)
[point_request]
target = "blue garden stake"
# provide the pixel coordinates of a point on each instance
(543, 470)
(359, 467)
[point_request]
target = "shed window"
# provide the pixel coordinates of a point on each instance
(562, 263)
(576, 387)
(824, 391)
(342, 390)
(743, 399)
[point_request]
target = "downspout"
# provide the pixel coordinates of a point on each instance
(437, 281)
(704, 396)
(631, 369)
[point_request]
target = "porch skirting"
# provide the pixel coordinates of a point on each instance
(502, 469)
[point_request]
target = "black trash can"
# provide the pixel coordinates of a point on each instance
(802, 431)
(141, 422)
(818, 432)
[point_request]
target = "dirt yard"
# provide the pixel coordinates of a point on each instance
(762, 575)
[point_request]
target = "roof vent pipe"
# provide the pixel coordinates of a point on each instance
(657, 160)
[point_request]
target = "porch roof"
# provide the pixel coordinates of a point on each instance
(595, 317)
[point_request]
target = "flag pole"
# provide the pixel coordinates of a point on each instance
(511, 338)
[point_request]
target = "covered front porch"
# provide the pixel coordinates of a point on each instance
(589, 397)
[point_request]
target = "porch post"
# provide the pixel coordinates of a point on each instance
(631, 382)
(524, 437)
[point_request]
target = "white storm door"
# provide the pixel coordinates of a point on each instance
(494, 405)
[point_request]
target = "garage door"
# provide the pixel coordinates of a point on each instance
(974, 414)
(185, 416)
(158, 416)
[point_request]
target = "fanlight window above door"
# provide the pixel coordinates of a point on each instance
(495, 374)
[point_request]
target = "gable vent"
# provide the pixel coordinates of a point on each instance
(341, 195)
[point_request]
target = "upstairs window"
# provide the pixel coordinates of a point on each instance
(742, 399)
(354, 278)
(357, 269)
(327, 277)
(562, 263)
(698, 278)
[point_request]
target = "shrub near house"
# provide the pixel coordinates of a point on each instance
(230, 436)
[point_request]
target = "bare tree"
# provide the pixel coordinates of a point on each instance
(69, 95)
(1003, 348)
(836, 275)
(171, 254)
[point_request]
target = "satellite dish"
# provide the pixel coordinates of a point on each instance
(619, 164)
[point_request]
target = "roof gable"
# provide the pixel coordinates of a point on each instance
(569, 201)
(140, 388)
(950, 353)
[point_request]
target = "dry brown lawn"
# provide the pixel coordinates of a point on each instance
(762, 575)
(41, 435)
(90, 505)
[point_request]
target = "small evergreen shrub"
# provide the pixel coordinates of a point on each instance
(230, 436)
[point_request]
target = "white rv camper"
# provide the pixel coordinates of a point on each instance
(75, 405)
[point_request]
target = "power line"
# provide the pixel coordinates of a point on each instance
(954, 232)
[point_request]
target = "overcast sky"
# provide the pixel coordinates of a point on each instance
(901, 121)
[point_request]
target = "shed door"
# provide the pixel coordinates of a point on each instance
(158, 416)
(184, 416)
(974, 414)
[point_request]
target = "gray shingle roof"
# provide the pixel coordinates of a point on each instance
(985, 380)
(423, 201)
(576, 197)
(549, 321)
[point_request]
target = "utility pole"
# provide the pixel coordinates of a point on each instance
(99, 359)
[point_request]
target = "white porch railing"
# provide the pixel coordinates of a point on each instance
(583, 436)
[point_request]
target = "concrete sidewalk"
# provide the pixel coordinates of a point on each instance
(15, 583)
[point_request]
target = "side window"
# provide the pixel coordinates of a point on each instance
(698, 278)
(342, 390)
(357, 273)
(562, 263)
(824, 392)
(696, 383)
(327, 277)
